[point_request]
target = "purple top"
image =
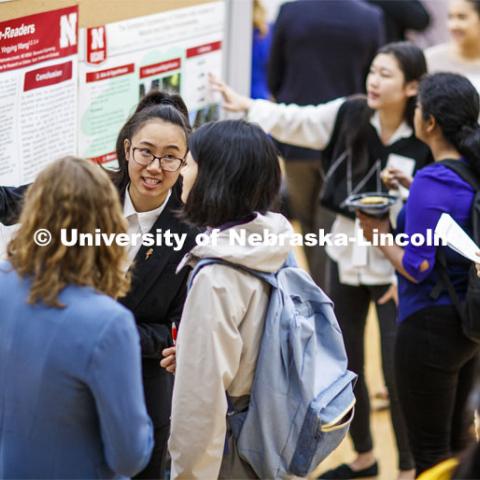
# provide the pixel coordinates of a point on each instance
(436, 189)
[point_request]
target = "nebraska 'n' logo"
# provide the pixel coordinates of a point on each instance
(96, 45)
(68, 30)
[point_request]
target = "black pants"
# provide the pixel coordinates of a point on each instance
(155, 469)
(435, 367)
(351, 309)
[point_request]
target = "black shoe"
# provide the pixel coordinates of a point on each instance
(344, 472)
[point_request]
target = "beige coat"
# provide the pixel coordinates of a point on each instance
(218, 343)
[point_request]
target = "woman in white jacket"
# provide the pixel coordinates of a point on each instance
(230, 181)
(360, 137)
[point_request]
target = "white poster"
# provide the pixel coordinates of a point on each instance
(38, 92)
(121, 62)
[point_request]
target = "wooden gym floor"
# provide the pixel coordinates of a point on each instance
(384, 445)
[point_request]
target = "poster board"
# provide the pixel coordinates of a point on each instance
(38, 92)
(166, 41)
(121, 62)
(94, 12)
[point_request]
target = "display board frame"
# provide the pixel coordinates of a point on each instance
(94, 12)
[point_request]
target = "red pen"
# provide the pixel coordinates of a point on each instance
(174, 332)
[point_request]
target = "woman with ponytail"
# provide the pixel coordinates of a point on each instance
(434, 360)
(151, 149)
(358, 135)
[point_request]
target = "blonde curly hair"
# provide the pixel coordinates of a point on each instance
(71, 193)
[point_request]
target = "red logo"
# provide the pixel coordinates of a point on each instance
(96, 45)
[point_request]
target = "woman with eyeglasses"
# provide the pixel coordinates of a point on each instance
(151, 149)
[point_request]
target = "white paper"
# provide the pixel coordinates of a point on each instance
(406, 165)
(456, 238)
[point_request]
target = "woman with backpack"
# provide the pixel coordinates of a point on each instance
(435, 361)
(230, 189)
(359, 136)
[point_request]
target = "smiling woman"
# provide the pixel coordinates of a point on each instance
(462, 53)
(154, 154)
(151, 148)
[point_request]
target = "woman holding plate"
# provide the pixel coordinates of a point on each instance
(358, 136)
(434, 360)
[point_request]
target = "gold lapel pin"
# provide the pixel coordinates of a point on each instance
(149, 253)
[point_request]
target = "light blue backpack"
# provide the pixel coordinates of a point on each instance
(301, 402)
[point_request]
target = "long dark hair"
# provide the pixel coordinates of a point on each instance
(454, 103)
(413, 65)
(156, 104)
(238, 173)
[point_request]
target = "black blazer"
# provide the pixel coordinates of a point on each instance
(156, 299)
(156, 296)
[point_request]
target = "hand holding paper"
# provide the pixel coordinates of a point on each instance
(398, 173)
(456, 238)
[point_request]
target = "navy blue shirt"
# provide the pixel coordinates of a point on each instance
(436, 189)
(321, 50)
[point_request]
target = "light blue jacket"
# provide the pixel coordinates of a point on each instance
(71, 396)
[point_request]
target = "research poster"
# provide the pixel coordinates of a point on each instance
(38, 92)
(122, 61)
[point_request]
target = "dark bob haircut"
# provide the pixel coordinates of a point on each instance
(238, 173)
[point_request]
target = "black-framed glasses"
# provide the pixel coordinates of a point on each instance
(168, 163)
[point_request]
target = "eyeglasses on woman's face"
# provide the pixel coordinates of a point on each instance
(168, 163)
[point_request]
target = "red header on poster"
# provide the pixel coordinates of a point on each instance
(96, 45)
(37, 38)
(159, 68)
(203, 49)
(108, 157)
(43, 77)
(110, 73)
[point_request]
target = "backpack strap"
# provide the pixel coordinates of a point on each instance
(444, 282)
(266, 277)
(464, 171)
(269, 278)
